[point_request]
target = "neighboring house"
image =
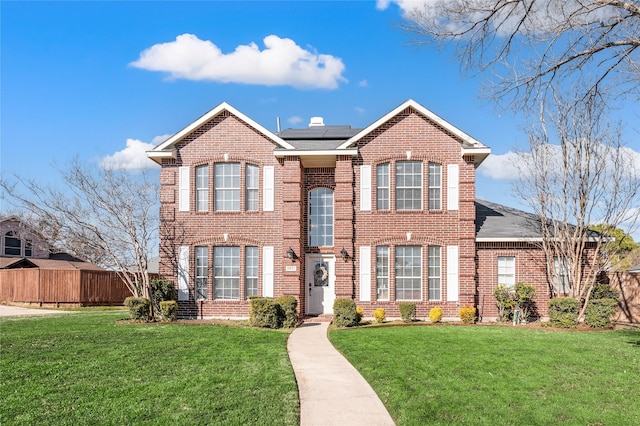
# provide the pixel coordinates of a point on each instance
(30, 274)
(383, 214)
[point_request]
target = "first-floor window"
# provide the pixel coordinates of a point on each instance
(382, 273)
(435, 273)
(251, 271)
(561, 278)
(507, 271)
(202, 271)
(226, 280)
(408, 272)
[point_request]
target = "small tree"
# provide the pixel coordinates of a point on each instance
(504, 302)
(523, 296)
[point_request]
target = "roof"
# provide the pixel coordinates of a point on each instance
(318, 138)
(635, 269)
(15, 263)
(495, 222)
(498, 223)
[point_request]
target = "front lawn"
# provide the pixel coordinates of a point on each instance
(84, 369)
(430, 375)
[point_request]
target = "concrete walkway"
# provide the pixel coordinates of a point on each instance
(18, 311)
(332, 392)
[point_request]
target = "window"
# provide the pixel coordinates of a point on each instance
(382, 273)
(435, 272)
(382, 187)
(12, 244)
(202, 188)
(561, 279)
(408, 273)
(408, 185)
(507, 271)
(28, 248)
(253, 184)
(202, 268)
(227, 187)
(321, 217)
(226, 280)
(435, 186)
(251, 271)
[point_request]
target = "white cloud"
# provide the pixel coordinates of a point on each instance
(500, 166)
(363, 83)
(281, 63)
(133, 157)
(360, 110)
(294, 120)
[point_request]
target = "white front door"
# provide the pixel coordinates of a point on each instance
(320, 278)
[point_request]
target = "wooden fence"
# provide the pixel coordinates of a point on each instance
(628, 285)
(62, 287)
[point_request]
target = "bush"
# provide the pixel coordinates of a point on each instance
(138, 308)
(289, 306)
(523, 299)
(161, 290)
(169, 310)
(467, 314)
(379, 315)
(344, 313)
(604, 291)
(504, 302)
(265, 312)
(599, 311)
(563, 312)
(435, 314)
(359, 312)
(407, 311)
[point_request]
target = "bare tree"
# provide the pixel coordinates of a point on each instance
(576, 174)
(106, 216)
(530, 45)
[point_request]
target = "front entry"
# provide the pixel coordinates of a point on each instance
(320, 279)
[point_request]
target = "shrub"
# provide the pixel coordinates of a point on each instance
(344, 313)
(289, 306)
(604, 291)
(161, 290)
(265, 312)
(435, 314)
(467, 314)
(599, 311)
(169, 310)
(504, 302)
(138, 308)
(563, 312)
(359, 312)
(407, 311)
(379, 315)
(523, 299)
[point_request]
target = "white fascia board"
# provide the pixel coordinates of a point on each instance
(157, 156)
(208, 116)
(480, 153)
(422, 110)
(352, 152)
(529, 240)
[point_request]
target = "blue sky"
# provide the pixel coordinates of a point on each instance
(80, 79)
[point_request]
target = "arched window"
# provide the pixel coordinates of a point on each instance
(321, 217)
(12, 244)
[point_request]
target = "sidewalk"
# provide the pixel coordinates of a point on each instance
(15, 311)
(332, 392)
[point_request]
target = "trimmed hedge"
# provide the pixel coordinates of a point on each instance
(138, 308)
(563, 312)
(161, 290)
(467, 314)
(169, 310)
(345, 313)
(289, 306)
(435, 314)
(265, 312)
(599, 311)
(407, 311)
(379, 315)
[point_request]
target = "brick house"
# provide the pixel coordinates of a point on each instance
(382, 214)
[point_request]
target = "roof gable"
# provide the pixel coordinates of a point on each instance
(470, 146)
(167, 148)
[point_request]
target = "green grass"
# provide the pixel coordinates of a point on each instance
(84, 369)
(443, 375)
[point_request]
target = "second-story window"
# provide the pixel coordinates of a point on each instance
(435, 186)
(253, 183)
(227, 187)
(409, 185)
(382, 186)
(202, 188)
(321, 217)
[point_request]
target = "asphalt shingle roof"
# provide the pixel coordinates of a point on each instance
(318, 138)
(496, 221)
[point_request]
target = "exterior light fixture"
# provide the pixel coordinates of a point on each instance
(344, 254)
(291, 255)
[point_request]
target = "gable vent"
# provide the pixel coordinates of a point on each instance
(316, 121)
